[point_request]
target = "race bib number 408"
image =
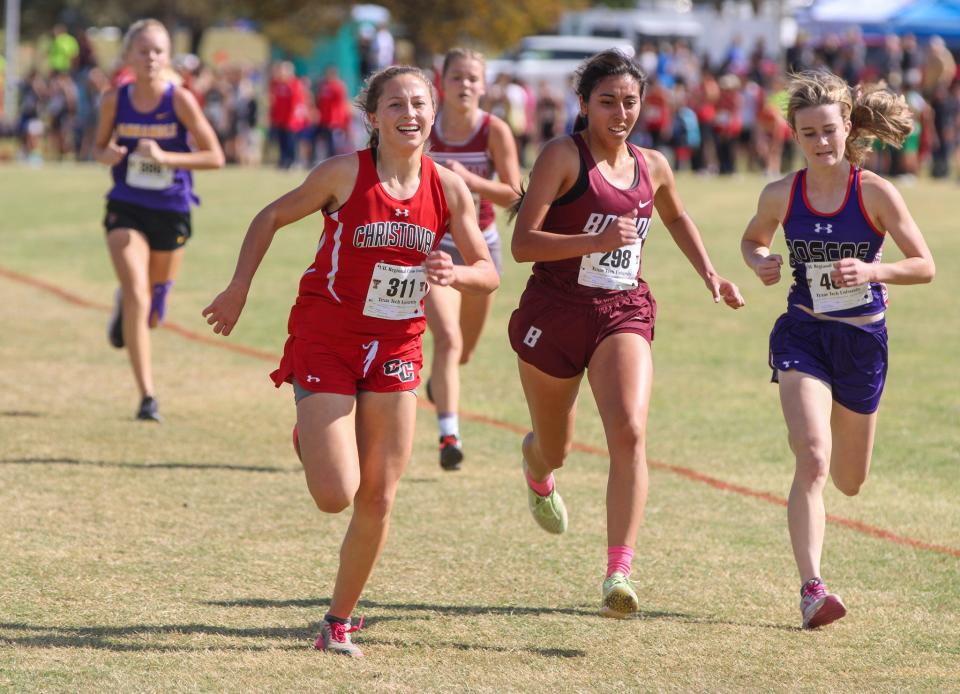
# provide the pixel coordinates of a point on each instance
(396, 292)
(828, 296)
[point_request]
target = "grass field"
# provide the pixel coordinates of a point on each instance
(189, 557)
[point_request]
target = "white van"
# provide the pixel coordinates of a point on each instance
(551, 58)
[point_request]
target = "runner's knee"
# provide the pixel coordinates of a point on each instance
(448, 340)
(848, 484)
(328, 499)
(330, 494)
(629, 434)
(375, 503)
(813, 464)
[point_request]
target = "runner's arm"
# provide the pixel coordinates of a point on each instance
(478, 275)
(326, 187)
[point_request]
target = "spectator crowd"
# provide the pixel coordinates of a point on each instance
(718, 117)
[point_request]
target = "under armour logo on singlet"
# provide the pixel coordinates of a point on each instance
(827, 228)
(401, 213)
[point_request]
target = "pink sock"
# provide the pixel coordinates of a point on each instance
(619, 559)
(541, 488)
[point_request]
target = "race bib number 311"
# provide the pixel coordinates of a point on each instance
(396, 292)
(828, 296)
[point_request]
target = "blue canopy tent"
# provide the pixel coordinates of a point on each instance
(837, 16)
(926, 18)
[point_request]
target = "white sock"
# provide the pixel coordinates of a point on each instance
(449, 424)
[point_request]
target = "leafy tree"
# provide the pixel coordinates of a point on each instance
(290, 23)
(435, 25)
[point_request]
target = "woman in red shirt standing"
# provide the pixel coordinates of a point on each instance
(354, 351)
(728, 123)
(287, 112)
(333, 113)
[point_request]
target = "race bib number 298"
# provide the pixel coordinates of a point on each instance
(617, 269)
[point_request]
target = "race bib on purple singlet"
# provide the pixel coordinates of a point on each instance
(828, 296)
(147, 174)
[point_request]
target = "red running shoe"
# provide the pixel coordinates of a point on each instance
(451, 454)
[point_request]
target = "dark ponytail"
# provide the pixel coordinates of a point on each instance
(596, 68)
(605, 64)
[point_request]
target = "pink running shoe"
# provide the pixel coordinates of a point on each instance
(819, 607)
(335, 638)
(296, 442)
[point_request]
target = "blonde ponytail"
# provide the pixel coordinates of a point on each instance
(878, 114)
(874, 112)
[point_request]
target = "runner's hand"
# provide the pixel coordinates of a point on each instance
(850, 272)
(768, 269)
(151, 150)
(112, 154)
(619, 233)
(440, 269)
(224, 311)
(726, 290)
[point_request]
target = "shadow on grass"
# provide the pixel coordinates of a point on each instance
(20, 413)
(405, 644)
(112, 639)
(178, 466)
(506, 610)
(150, 466)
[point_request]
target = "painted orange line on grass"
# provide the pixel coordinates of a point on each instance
(183, 332)
(881, 534)
(864, 528)
(220, 342)
(69, 297)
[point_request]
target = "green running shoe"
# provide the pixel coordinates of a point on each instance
(619, 597)
(548, 511)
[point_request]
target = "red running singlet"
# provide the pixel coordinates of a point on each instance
(367, 278)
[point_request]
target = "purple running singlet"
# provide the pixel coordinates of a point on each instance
(139, 180)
